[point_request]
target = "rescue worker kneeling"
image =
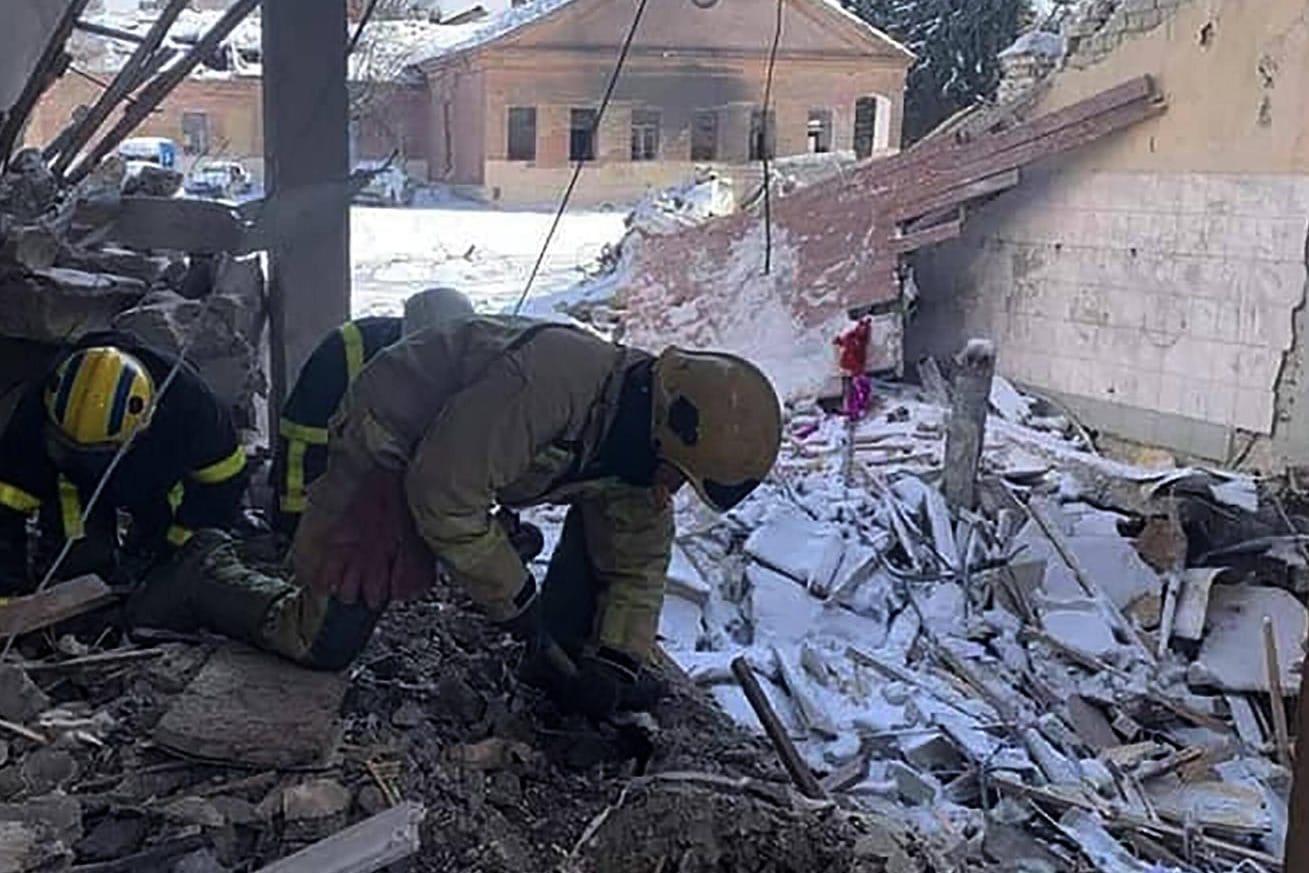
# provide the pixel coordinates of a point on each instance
(447, 424)
(185, 468)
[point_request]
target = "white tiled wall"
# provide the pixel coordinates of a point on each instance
(1165, 292)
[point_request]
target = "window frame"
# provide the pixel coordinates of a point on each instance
(592, 132)
(646, 127)
(865, 128)
(520, 112)
(821, 143)
(763, 134)
(697, 127)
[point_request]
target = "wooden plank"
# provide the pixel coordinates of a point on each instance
(967, 427)
(15, 117)
(928, 236)
(984, 163)
(962, 194)
(949, 152)
(1276, 698)
(83, 129)
(391, 835)
(58, 603)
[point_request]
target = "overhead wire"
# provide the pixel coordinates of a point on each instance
(581, 162)
(766, 144)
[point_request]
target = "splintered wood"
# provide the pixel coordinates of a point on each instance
(60, 602)
(253, 709)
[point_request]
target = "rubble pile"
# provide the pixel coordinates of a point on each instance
(64, 274)
(1091, 667)
(195, 754)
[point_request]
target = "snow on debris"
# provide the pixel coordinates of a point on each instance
(955, 662)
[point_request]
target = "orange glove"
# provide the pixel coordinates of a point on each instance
(374, 552)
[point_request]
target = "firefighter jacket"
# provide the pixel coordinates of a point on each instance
(185, 471)
(500, 410)
(302, 435)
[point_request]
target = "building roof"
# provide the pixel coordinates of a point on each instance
(500, 25)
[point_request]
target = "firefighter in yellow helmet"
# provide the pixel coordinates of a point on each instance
(444, 427)
(184, 468)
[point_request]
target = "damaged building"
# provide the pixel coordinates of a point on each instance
(1153, 282)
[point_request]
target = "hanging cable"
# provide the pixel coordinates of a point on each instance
(766, 145)
(577, 170)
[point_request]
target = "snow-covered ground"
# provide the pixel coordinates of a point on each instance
(488, 253)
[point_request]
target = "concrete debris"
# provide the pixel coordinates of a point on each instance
(1232, 654)
(320, 798)
(252, 708)
(1014, 639)
(21, 699)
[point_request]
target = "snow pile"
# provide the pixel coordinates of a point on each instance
(708, 196)
(1036, 42)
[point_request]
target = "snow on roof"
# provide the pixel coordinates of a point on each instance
(835, 6)
(492, 28)
(501, 24)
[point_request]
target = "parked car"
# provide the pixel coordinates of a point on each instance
(218, 180)
(389, 187)
(157, 150)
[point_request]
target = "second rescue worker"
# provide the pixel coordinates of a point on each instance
(185, 469)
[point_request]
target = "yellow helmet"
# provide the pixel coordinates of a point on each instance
(100, 396)
(718, 421)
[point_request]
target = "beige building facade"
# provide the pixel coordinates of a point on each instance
(1155, 282)
(511, 115)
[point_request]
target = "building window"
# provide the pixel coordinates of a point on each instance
(195, 133)
(522, 133)
(581, 135)
(763, 135)
(865, 126)
(645, 135)
(704, 136)
(820, 131)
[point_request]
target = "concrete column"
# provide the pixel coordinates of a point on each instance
(306, 146)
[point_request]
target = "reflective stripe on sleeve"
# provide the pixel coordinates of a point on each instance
(354, 349)
(222, 470)
(18, 500)
(295, 476)
(293, 430)
(70, 510)
(178, 535)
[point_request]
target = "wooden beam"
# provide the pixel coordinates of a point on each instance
(154, 92)
(58, 603)
(16, 116)
(799, 771)
(974, 190)
(85, 128)
(929, 235)
(389, 836)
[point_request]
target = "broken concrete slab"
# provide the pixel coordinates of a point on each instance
(58, 305)
(1229, 807)
(680, 623)
(56, 816)
(318, 798)
(21, 699)
(790, 543)
(684, 578)
(1121, 574)
(193, 811)
(257, 710)
(1082, 628)
(1232, 655)
(24, 848)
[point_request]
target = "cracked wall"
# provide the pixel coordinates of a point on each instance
(1151, 280)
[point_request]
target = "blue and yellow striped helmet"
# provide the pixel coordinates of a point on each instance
(100, 396)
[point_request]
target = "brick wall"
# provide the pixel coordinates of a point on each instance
(391, 117)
